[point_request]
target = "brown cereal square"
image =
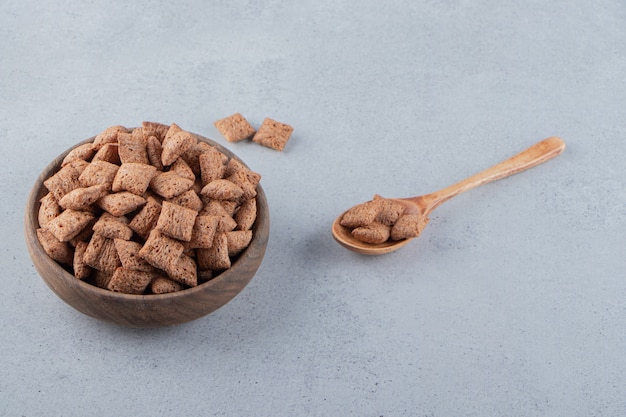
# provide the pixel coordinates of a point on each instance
(170, 184)
(98, 173)
(389, 211)
(247, 181)
(183, 169)
(246, 214)
(235, 128)
(132, 147)
(214, 208)
(108, 135)
(128, 252)
(212, 165)
(147, 218)
(49, 208)
(372, 233)
(81, 269)
(113, 227)
(154, 129)
(273, 134)
(101, 254)
(184, 270)
(129, 281)
(108, 152)
(161, 251)
(175, 145)
(360, 215)
(121, 203)
(64, 181)
(82, 152)
(82, 198)
(133, 177)
(237, 241)
(216, 257)
(408, 226)
(176, 221)
(222, 189)
(188, 199)
(154, 150)
(164, 285)
(68, 224)
(203, 232)
(57, 250)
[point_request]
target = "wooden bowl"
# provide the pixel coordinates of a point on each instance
(153, 310)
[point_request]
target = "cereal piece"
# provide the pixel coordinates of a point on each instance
(246, 215)
(129, 281)
(212, 165)
(128, 252)
(360, 215)
(203, 231)
(108, 152)
(192, 155)
(188, 199)
(216, 257)
(108, 135)
(222, 190)
(154, 129)
(154, 150)
(82, 152)
(68, 224)
(81, 269)
(233, 165)
(230, 207)
(98, 172)
(101, 278)
(175, 145)
(408, 226)
(235, 128)
(48, 209)
(85, 234)
(82, 198)
(372, 233)
(57, 250)
(273, 134)
(389, 211)
(147, 218)
(64, 181)
(205, 275)
(214, 208)
(181, 168)
(184, 270)
(101, 254)
(164, 285)
(171, 131)
(113, 227)
(170, 184)
(176, 221)
(121, 203)
(161, 251)
(237, 241)
(132, 147)
(247, 181)
(133, 177)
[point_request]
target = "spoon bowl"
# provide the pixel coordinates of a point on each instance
(423, 205)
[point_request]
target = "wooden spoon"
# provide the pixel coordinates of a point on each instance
(425, 204)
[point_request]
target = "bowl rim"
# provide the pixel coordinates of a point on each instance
(38, 191)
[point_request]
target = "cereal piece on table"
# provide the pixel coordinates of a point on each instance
(108, 135)
(408, 226)
(101, 254)
(212, 165)
(203, 231)
(154, 150)
(82, 152)
(389, 211)
(68, 224)
(64, 181)
(246, 215)
(99, 173)
(57, 250)
(154, 129)
(176, 221)
(170, 184)
(133, 177)
(129, 281)
(164, 285)
(360, 215)
(48, 209)
(175, 145)
(121, 203)
(101, 278)
(108, 152)
(247, 181)
(132, 147)
(216, 257)
(234, 128)
(372, 233)
(113, 227)
(214, 208)
(273, 134)
(161, 251)
(82, 198)
(188, 199)
(184, 270)
(183, 169)
(81, 269)
(128, 252)
(237, 241)
(147, 218)
(222, 190)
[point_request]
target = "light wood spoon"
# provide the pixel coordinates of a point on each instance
(425, 204)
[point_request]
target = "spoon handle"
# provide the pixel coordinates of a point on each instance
(538, 153)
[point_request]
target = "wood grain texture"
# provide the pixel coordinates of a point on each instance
(154, 310)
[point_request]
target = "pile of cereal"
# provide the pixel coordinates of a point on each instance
(382, 219)
(147, 211)
(272, 134)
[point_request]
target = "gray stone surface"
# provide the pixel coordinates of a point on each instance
(512, 302)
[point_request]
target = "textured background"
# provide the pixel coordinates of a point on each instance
(511, 303)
